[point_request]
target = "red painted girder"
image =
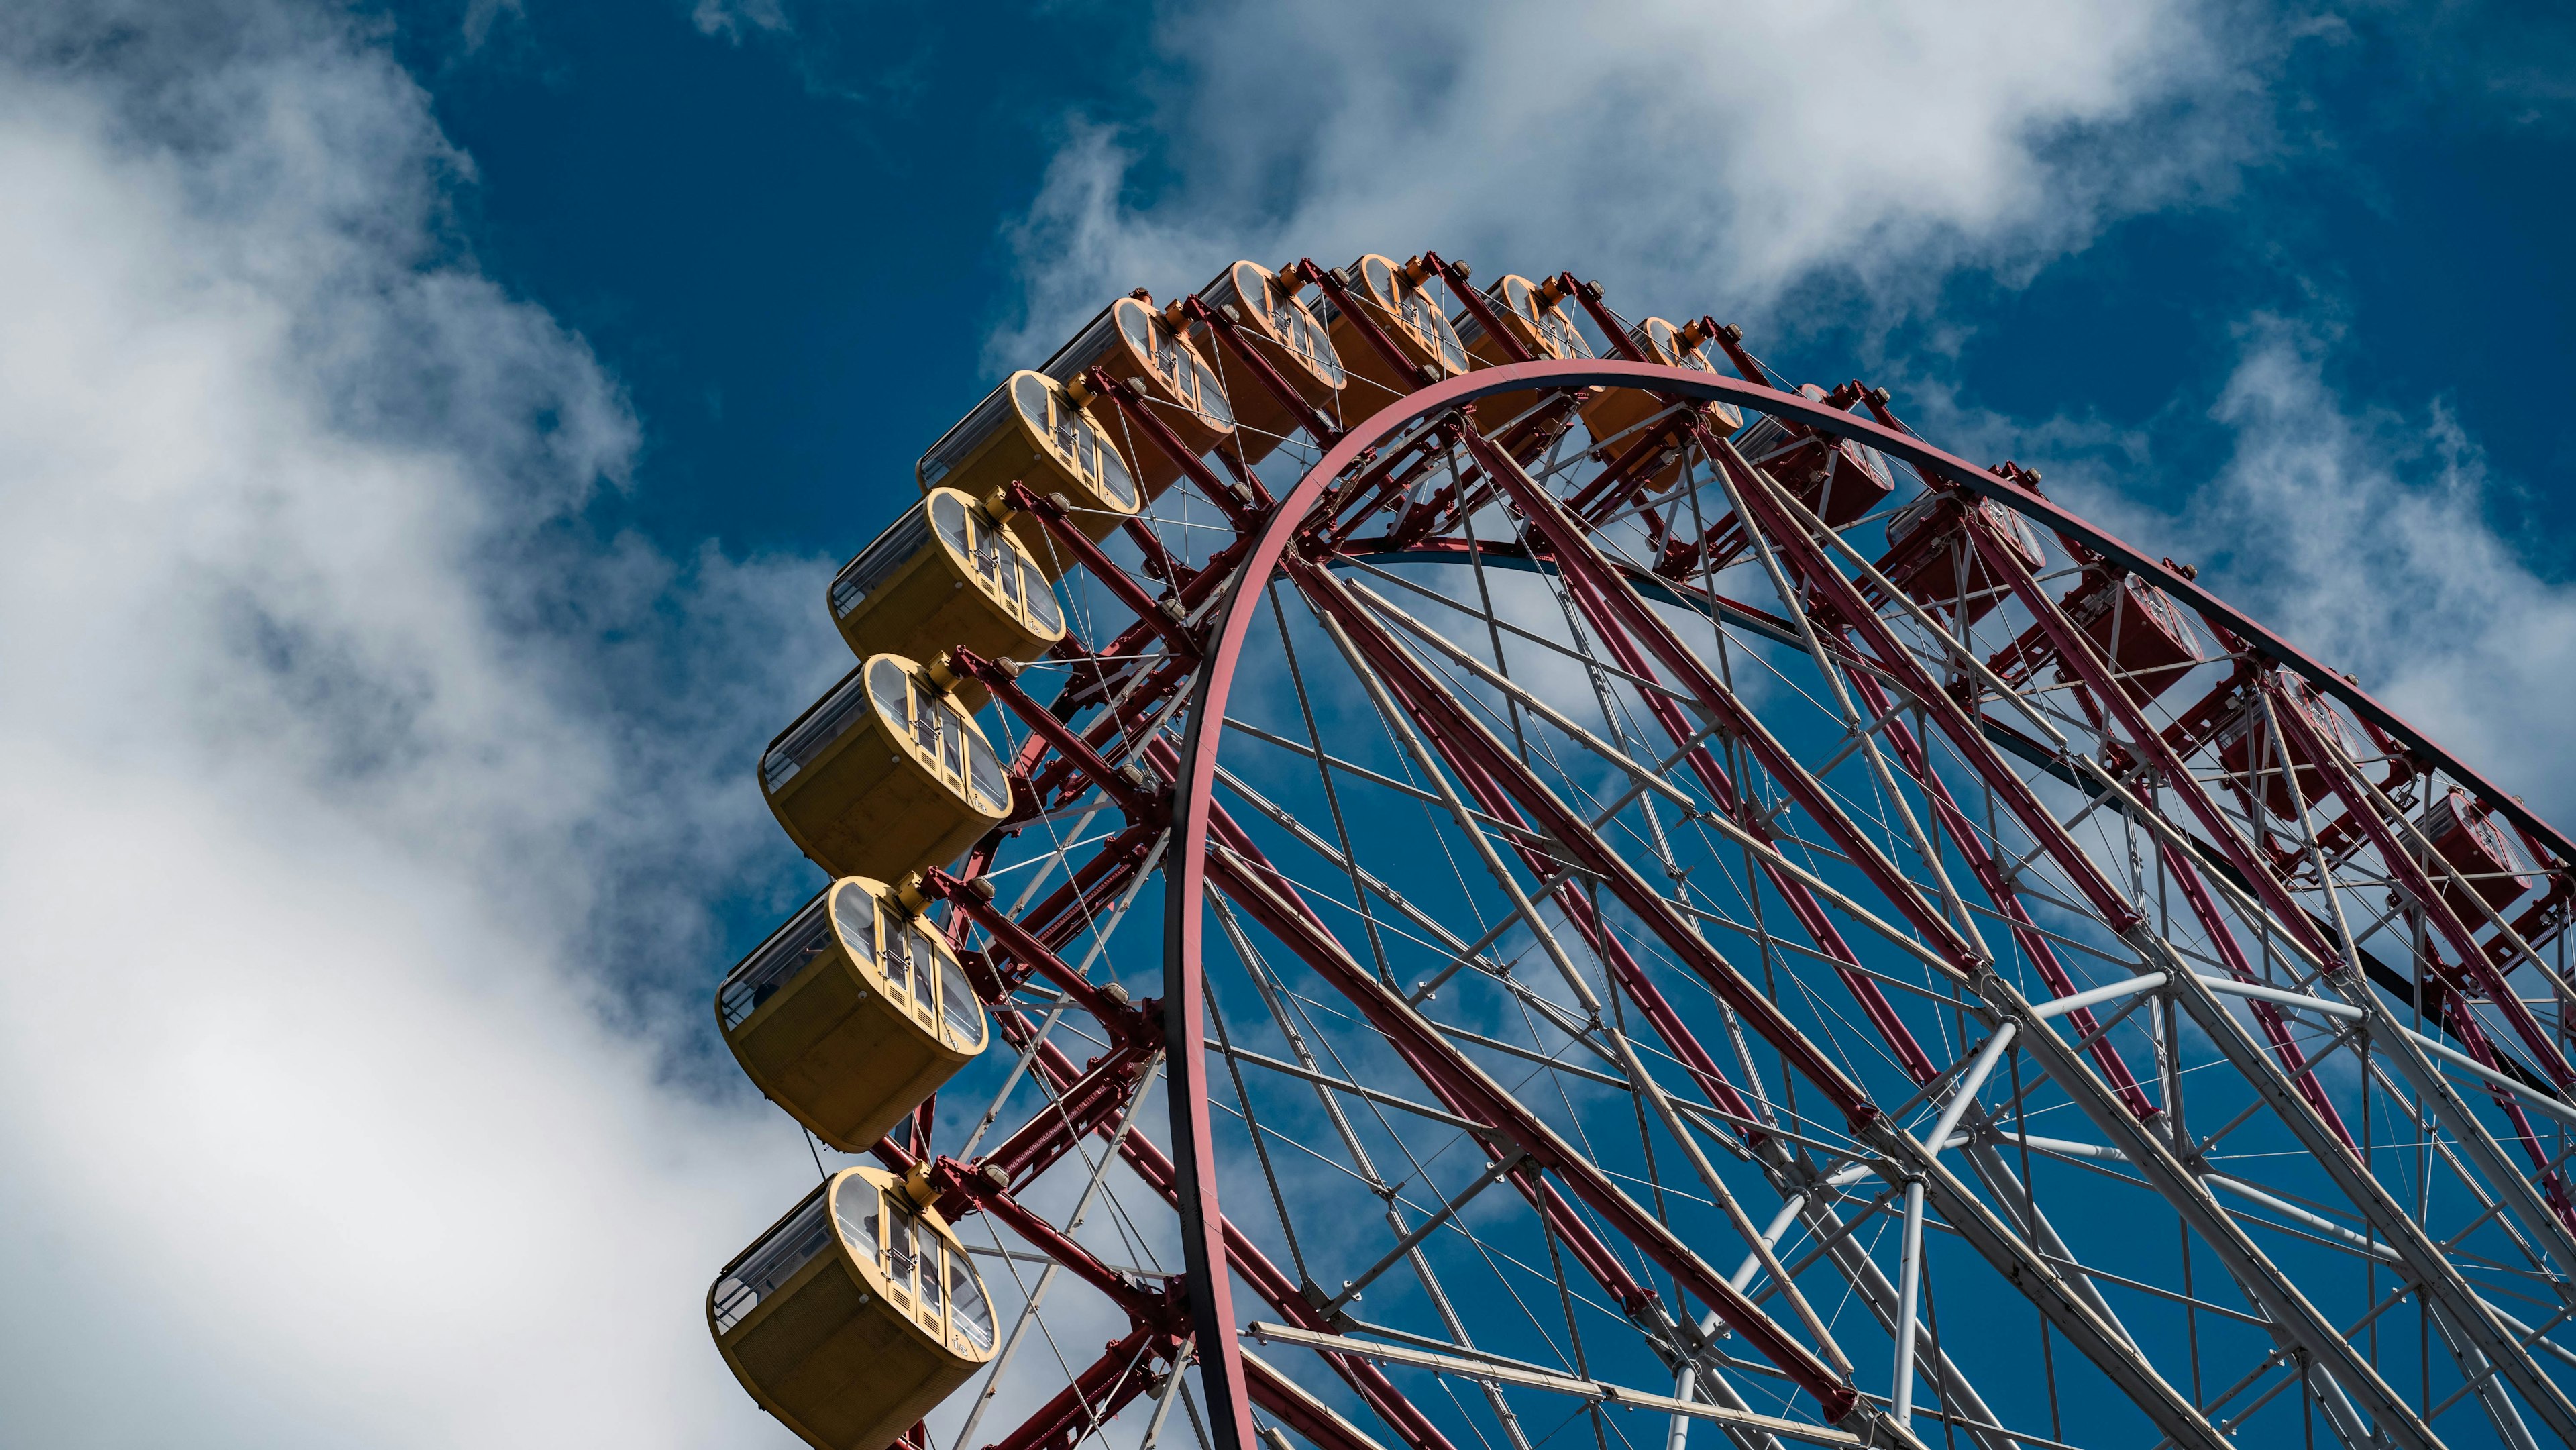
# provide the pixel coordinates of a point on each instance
(2415, 881)
(1589, 294)
(1721, 790)
(1100, 1391)
(1839, 598)
(1383, 345)
(2231, 953)
(1579, 559)
(1455, 274)
(1059, 782)
(2075, 650)
(1442, 717)
(1074, 541)
(2276, 1029)
(1586, 1246)
(1610, 487)
(1128, 398)
(1521, 439)
(1266, 1279)
(1942, 469)
(1085, 1104)
(1145, 1308)
(1989, 875)
(1072, 906)
(1451, 1072)
(1262, 554)
(1124, 1021)
(1139, 802)
(1228, 333)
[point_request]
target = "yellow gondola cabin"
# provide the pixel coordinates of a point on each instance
(1131, 340)
(1033, 430)
(1532, 313)
(1610, 413)
(853, 1315)
(1398, 301)
(851, 1014)
(885, 775)
(1290, 338)
(946, 575)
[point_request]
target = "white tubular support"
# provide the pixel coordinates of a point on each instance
(1965, 1095)
(1909, 1290)
(2532, 1097)
(2296, 1214)
(2540, 1100)
(2059, 1007)
(1468, 1364)
(2229, 986)
(1770, 1236)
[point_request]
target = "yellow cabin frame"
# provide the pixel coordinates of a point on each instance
(1033, 430)
(851, 1014)
(854, 1314)
(885, 775)
(946, 575)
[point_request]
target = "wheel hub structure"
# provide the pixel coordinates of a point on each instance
(1689, 912)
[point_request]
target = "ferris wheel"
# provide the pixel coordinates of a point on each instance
(1686, 911)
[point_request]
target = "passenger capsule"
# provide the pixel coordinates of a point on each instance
(2254, 759)
(1399, 302)
(1035, 430)
(1930, 558)
(943, 576)
(1611, 414)
(1837, 479)
(851, 1014)
(2467, 836)
(1288, 337)
(2142, 631)
(885, 775)
(854, 1315)
(1130, 340)
(1532, 313)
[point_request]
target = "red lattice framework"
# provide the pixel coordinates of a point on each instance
(1980, 857)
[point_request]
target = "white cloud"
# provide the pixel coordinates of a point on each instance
(2362, 534)
(1692, 156)
(334, 845)
(729, 18)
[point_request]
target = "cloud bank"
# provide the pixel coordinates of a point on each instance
(352, 880)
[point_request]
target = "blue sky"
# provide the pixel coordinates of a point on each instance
(728, 216)
(425, 432)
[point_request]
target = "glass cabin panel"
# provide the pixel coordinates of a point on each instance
(859, 1207)
(807, 738)
(1044, 612)
(773, 964)
(925, 959)
(948, 512)
(903, 1254)
(875, 564)
(765, 1268)
(854, 916)
(959, 1012)
(968, 1311)
(985, 777)
(1036, 401)
(934, 1283)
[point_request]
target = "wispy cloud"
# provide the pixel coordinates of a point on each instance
(2366, 535)
(1697, 157)
(336, 845)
